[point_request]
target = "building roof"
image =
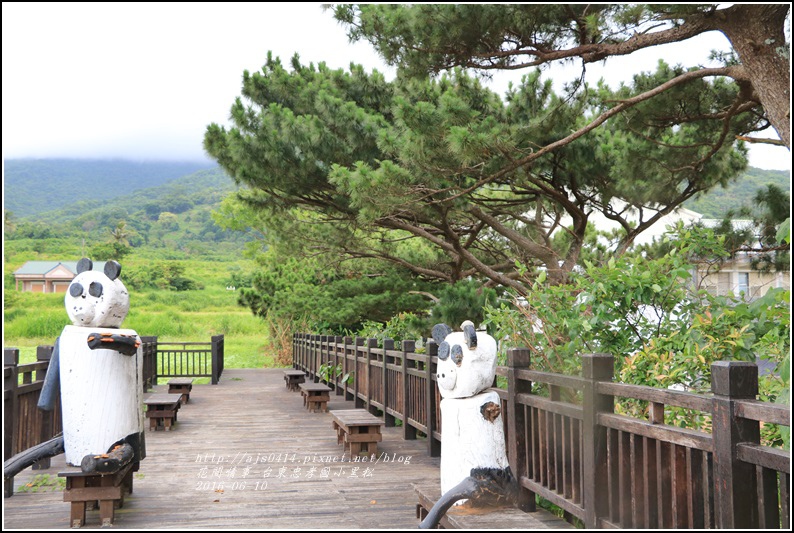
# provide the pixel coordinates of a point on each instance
(41, 268)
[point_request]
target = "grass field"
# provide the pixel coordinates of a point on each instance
(32, 320)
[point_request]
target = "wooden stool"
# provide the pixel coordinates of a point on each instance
(161, 410)
(107, 489)
(358, 429)
(181, 386)
(315, 396)
(293, 378)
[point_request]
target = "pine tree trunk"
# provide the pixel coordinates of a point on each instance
(756, 33)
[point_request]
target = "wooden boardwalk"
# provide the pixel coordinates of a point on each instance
(246, 454)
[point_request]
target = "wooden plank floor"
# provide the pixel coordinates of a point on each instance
(279, 465)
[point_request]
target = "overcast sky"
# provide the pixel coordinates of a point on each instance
(143, 80)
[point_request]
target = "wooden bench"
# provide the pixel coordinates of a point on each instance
(87, 490)
(293, 378)
(469, 517)
(358, 429)
(182, 386)
(161, 410)
(315, 396)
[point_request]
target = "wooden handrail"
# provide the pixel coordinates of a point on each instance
(608, 469)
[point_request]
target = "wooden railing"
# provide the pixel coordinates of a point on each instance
(387, 381)
(24, 424)
(191, 359)
(570, 447)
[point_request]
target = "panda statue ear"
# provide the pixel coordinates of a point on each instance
(84, 265)
(112, 269)
(440, 332)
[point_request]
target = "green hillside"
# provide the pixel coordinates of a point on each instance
(180, 270)
(172, 218)
(717, 202)
(34, 186)
(172, 221)
(59, 190)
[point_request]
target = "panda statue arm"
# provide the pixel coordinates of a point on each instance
(125, 344)
(51, 388)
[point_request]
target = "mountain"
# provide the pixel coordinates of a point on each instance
(717, 202)
(173, 220)
(176, 196)
(52, 188)
(34, 186)
(169, 206)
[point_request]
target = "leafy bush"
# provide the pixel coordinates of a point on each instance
(405, 326)
(662, 331)
(164, 275)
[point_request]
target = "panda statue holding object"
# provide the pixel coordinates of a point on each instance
(474, 466)
(98, 368)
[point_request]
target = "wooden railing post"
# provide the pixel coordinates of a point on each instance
(595, 368)
(735, 494)
(10, 379)
(371, 343)
(304, 355)
(337, 341)
(44, 354)
(304, 365)
(315, 357)
(149, 378)
(518, 358)
(358, 403)
(222, 349)
(322, 360)
(326, 351)
(346, 368)
(217, 358)
(305, 352)
(386, 384)
(301, 351)
(409, 431)
(433, 446)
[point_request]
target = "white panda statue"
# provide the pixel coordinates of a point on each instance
(100, 367)
(474, 465)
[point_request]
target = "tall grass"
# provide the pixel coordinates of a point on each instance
(35, 323)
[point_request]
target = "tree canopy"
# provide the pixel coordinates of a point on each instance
(439, 175)
(443, 177)
(422, 38)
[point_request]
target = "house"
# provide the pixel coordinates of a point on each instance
(738, 277)
(735, 276)
(48, 276)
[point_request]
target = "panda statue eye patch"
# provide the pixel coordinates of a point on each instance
(95, 289)
(75, 289)
(443, 351)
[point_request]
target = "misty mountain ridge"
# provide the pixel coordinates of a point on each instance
(55, 190)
